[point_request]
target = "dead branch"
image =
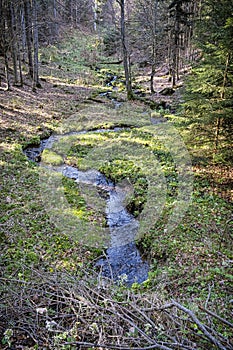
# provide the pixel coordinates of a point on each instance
(57, 309)
(211, 313)
(109, 346)
(199, 325)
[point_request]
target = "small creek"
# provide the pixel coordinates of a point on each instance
(122, 260)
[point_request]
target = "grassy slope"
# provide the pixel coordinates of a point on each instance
(192, 263)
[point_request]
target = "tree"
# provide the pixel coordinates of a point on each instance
(28, 32)
(209, 92)
(181, 24)
(19, 36)
(126, 56)
(5, 46)
(151, 17)
(36, 82)
(11, 22)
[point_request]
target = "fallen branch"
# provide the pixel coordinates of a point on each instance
(211, 313)
(116, 347)
(200, 325)
(80, 312)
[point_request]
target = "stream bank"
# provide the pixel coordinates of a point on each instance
(122, 261)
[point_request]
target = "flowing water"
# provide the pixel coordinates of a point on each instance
(122, 261)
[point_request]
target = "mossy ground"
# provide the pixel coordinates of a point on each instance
(192, 263)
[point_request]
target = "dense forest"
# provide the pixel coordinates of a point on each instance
(116, 121)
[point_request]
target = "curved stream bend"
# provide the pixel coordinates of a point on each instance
(123, 261)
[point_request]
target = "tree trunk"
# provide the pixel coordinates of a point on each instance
(8, 86)
(19, 34)
(4, 41)
(222, 96)
(217, 132)
(95, 9)
(55, 18)
(14, 46)
(126, 58)
(175, 63)
(68, 7)
(28, 30)
(36, 83)
(23, 34)
(20, 69)
(154, 44)
(152, 74)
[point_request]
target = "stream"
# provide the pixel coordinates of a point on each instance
(122, 261)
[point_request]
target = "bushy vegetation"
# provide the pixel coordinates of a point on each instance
(209, 89)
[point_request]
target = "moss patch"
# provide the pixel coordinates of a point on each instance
(50, 157)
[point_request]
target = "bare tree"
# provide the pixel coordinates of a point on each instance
(36, 82)
(152, 37)
(181, 13)
(126, 56)
(28, 31)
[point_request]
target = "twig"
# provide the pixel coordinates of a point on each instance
(216, 316)
(209, 294)
(116, 347)
(199, 325)
(100, 318)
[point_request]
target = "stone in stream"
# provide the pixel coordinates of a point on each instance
(33, 152)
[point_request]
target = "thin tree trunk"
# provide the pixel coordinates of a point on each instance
(19, 34)
(222, 96)
(20, 67)
(36, 83)
(68, 6)
(8, 86)
(169, 55)
(175, 62)
(126, 58)
(94, 9)
(174, 67)
(14, 46)
(55, 17)
(152, 74)
(154, 33)
(23, 34)
(217, 132)
(28, 29)
(5, 44)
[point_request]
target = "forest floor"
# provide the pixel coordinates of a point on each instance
(45, 269)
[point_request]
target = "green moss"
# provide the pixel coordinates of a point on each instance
(72, 194)
(80, 150)
(119, 170)
(50, 157)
